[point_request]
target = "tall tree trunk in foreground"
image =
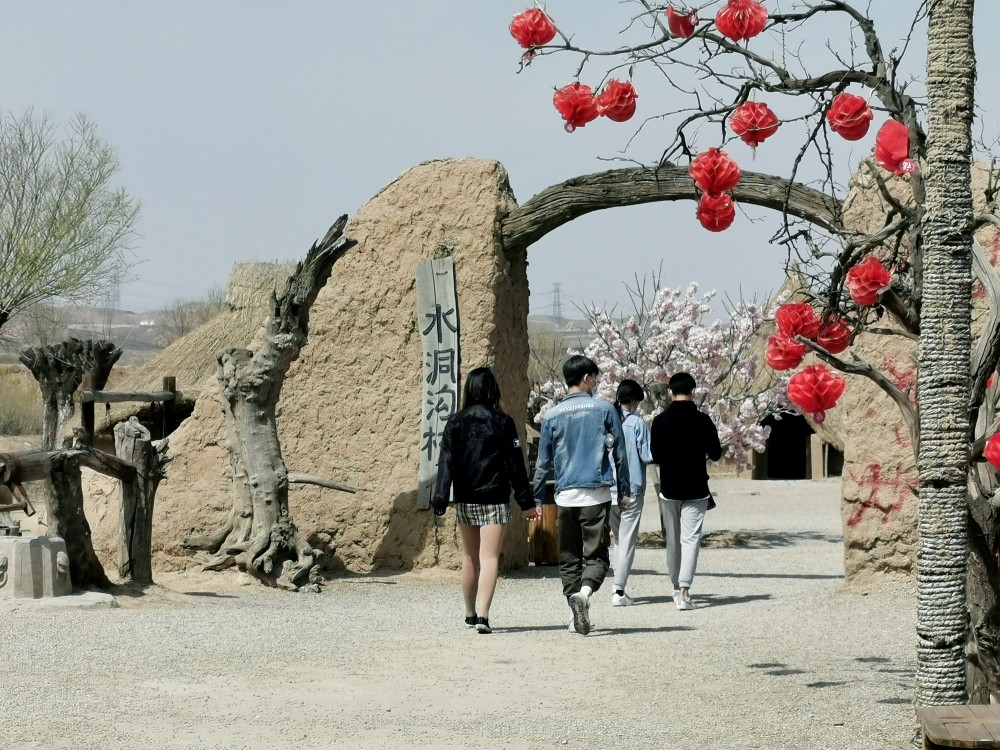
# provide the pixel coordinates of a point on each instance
(260, 535)
(945, 345)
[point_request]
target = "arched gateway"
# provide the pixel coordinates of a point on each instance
(350, 406)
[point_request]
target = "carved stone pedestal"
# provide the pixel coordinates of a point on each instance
(33, 567)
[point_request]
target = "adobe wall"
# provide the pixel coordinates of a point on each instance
(350, 406)
(879, 509)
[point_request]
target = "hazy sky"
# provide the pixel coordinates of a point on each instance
(246, 126)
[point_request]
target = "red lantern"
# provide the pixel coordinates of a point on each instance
(797, 319)
(849, 116)
(991, 451)
(892, 148)
(834, 336)
(741, 19)
(576, 104)
(714, 171)
(681, 24)
(783, 353)
(617, 101)
(814, 389)
(866, 280)
(532, 27)
(716, 212)
(753, 123)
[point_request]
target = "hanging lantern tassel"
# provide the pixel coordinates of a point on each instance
(815, 389)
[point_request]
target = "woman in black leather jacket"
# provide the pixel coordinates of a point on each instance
(481, 461)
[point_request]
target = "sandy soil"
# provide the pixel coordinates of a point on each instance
(781, 656)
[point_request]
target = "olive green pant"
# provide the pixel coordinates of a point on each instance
(583, 547)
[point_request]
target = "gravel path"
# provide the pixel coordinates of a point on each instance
(782, 656)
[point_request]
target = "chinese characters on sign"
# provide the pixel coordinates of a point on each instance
(437, 321)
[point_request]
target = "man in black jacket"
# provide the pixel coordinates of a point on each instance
(682, 438)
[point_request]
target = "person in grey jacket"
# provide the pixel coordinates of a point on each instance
(576, 437)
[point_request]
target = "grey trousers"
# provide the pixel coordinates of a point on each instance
(682, 522)
(626, 539)
(583, 547)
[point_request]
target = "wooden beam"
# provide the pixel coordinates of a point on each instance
(116, 397)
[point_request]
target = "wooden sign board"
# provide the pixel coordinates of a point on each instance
(437, 321)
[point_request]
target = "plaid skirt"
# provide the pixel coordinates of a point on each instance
(483, 514)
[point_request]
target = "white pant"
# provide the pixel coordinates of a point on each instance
(626, 539)
(682, 522)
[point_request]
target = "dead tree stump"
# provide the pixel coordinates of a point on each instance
(260, 535)
(67, 520)
(133, 445)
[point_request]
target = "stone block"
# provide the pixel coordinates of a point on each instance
(33, 567)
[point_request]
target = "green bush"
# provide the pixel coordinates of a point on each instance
(20, 406)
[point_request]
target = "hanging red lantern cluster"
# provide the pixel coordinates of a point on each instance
(753, 122)
(849, 116)
(532, 28)
(991, 451)
(714, 173)
(797, 319)
(892, 148)
(834, 336)
(576, 103)
(815, 389)
(681, 23)
(741, 19)
(617, 101)
(867, 279)
(784, 353)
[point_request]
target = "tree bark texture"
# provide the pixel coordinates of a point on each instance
(944, 356)
(133, 444)
(67, 520)
(260, 535)
(560, 204)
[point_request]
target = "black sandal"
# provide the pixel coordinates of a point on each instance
(483, 626)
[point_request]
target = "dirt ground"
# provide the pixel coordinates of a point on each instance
(781, 655)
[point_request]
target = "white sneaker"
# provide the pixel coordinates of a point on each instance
(622, 600)
(684, 602)
(580, 605)
(677, 598)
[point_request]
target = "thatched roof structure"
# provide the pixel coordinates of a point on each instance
(192, 358)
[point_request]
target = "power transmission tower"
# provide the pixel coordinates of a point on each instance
(557, 305)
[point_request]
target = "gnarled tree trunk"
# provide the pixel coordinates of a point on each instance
(260, 535)
(133, 445)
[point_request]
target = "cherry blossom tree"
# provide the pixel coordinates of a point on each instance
(815, 76)
(673, 332)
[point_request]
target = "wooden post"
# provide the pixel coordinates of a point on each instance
(132, 444)
(170, 385)
(66, 520)
(87, 411)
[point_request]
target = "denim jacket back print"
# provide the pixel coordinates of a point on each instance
(576, 436)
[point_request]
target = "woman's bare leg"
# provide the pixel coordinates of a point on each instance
(489, 560)
(470, 567)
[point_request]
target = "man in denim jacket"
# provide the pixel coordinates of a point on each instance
(576, 437)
